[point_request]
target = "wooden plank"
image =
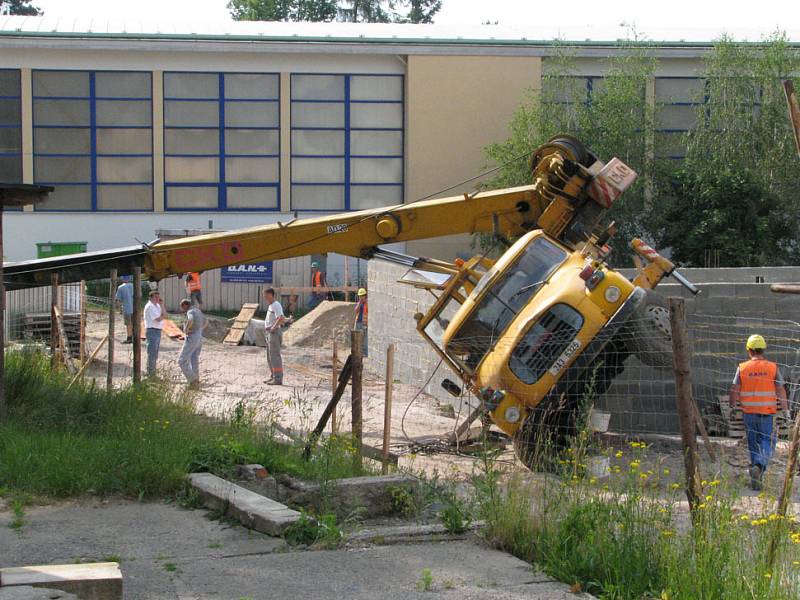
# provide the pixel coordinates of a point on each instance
(170, 329)
(236, 333)
(88, 361)
(344, 377)
(64, 341)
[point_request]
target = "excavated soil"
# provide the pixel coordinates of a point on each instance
(318, 328)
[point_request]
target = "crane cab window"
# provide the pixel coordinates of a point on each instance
(502, 301)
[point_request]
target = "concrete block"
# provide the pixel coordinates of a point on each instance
(25, 592)
(89, 581)
(253, 510)
(251, 472)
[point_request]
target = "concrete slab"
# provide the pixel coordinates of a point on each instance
(26, 592)
(88, 581)
(252, 510)
(167, 553)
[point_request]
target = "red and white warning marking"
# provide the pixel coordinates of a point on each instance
(613, 179)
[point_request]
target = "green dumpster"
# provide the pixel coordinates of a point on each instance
(48, 249)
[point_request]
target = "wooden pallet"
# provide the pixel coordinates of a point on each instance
(236, 333)
(735, 420)
(36, 326)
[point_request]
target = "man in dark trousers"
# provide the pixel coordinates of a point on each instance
(759, 388)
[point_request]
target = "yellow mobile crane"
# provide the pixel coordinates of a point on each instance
(525, 332)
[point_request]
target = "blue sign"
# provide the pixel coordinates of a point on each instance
(249, 273)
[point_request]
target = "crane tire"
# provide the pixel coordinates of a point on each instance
(649, 334)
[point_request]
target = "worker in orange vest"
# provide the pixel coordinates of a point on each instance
(317, 283)
(194, 289)
(759, 389)
(362, 315)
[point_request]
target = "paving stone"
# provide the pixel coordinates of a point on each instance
(88, 581)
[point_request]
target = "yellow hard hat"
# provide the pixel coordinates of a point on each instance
(362, 292)
(756, 342)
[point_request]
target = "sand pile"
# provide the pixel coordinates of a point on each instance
(318, 328)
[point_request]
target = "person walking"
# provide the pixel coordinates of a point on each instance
(124, 298)
(154, 315)
(194, 288)
(274, 334)
(759, 389)
(361, 318)
(317, 284)
(189, 358)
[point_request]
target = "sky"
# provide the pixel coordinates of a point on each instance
(766, 15)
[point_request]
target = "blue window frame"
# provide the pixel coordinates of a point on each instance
(677, 99)
(92, 139)
(347, 141)
(222, 141)
(10, 128)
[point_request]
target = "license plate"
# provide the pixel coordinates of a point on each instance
(565, 357)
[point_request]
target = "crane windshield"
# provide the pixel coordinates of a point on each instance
(503, 300)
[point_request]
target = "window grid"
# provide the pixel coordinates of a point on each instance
(222, 186)
(347, 101)
(15, 123)
(676, 131)
(92, 98)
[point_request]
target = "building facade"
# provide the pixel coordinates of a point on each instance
(248, 123)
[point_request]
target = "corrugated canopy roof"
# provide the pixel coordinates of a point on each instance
(360, 32)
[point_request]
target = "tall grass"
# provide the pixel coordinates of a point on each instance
(137, 441)
(630, 537)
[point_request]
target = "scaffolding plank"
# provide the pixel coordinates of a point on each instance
(236, 333)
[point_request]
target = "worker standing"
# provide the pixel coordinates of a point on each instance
(194, 289)
(189, 358)
(154, 315)
(759, 389)
(124, 297)
(317, 284)
(362, 315)
(274, 334)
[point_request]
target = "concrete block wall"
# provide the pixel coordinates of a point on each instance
(642, 399)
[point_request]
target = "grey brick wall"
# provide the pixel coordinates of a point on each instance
(642, 399)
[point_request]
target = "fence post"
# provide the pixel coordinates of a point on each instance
(681, 354)
(334, 384)
(53, 322)
(112, 287)
(137, 324)
(786, 490)
(387, 407)
(82, 339)
(356, 353)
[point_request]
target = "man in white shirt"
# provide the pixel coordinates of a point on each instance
(272, 323)
(154, 315)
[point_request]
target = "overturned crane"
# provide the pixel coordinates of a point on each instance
(526, 333)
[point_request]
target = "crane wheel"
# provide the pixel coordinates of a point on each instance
(649, 334)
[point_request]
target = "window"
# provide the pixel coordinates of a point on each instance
(10, 127)
(222, 141)
(677, 99)
(93, 139)
(347, 141)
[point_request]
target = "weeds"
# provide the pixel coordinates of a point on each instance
(310, 531)
(403, 502)
(18, 510)
(425, 583)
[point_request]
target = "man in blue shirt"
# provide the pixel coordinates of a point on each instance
(124, 297)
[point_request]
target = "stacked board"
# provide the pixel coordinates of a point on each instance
(236, 333)
(36, 326)
(735, 420)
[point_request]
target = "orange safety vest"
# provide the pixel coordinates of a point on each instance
(362, 311)
(757, 386)
(317, 279)
(193, 282)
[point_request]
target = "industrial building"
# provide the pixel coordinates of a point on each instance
(143, 127)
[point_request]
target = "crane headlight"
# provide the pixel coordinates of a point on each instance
(612, 294)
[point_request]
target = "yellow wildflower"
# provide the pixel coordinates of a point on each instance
(709, 498)
(667, 533)
(714, 483)
(675, 486)
(768, 575)
(619, 454)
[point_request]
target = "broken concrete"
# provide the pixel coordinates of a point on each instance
(26, 592)
(88, 581)
(252, 510)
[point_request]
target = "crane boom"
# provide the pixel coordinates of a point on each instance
(509, 212)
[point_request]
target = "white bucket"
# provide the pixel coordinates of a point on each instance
(599, 420)
(598, 466)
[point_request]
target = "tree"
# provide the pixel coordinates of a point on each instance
(353, 11)
(18, 7)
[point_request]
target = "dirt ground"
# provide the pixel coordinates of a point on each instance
(233, 375)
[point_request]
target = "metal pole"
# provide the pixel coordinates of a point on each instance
(387, 408)
(82, 336)
(111, 297)
(334, 384)
(2, 329)
(346, 279)
(681, 353)
(356, 354)
(53, 323)
(137, 324)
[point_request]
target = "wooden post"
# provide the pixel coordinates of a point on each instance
(681, 353)
(346, 280)
(356, 354)
(786, 490)
(53, 323)
(137, 324)
(2, 328)
(334, 383)
(112, 289)
(82, 330)
(387, 408)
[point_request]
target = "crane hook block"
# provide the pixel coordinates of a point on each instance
(388, 226)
